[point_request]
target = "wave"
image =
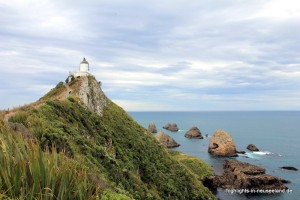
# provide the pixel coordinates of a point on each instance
(258, 154)
(262, 152)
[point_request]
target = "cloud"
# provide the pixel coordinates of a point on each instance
(170, 55)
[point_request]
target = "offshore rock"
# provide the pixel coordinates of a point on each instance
(252, 147)
(166, 140)
(289, 168)
(171, 127)
(152, 128)
(194, 132)
(242, 175)
(221, 144)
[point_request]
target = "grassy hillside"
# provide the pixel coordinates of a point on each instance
(197, 167)
(123, 160)
(27, 172)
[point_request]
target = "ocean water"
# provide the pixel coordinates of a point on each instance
(275, 133)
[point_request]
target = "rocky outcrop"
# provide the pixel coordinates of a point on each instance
(289, 168)
(194, 132)
(242, 175)
(252, 147)
(152, 128)
(171, 127)
(166, 140)
(91, 95)
(221, 144)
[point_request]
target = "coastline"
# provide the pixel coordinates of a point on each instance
(263, 128)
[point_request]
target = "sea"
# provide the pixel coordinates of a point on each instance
(275, 133)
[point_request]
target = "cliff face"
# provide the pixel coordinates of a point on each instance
(91, 95)
(86, 90)
(122, 157)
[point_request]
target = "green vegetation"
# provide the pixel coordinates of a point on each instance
(197, 167)
(111, 156)
(55, 92)
(27, 172)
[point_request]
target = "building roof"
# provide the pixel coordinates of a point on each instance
(84, 61)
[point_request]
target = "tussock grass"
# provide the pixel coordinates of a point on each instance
(27, 172)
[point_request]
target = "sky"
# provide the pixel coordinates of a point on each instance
(153, 55)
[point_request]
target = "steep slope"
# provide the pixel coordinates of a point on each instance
(27, 172)
(79, 120)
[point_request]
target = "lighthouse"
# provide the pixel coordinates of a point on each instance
(84, 66)
(84, 69)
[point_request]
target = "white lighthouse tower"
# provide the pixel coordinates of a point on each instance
(84, 66)
(83, 69)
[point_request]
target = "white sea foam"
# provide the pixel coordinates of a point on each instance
(243, 155)
(258, 154)
(262, 152)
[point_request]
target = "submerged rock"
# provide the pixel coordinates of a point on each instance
(240, 152)
(242, 175)
(171, 127)
(221, 144)
(194, 132)
(152, 128)
(166, 140)
(285, 181)
(289, 168)
(252, 147)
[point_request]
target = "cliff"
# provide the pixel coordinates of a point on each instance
(85, 89)
(91, 95)
(109, 154)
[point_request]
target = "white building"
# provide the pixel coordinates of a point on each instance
(83, 69)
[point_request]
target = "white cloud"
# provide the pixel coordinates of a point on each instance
(161, 55)
(132, 105)
(280, 10)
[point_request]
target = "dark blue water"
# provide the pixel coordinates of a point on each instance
(275, 133)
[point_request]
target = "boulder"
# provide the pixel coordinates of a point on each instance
(194, 132)
(242, 175)
(221, 144)
(171, 127)
(166, 140)
(152, 128)
(252, 147)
